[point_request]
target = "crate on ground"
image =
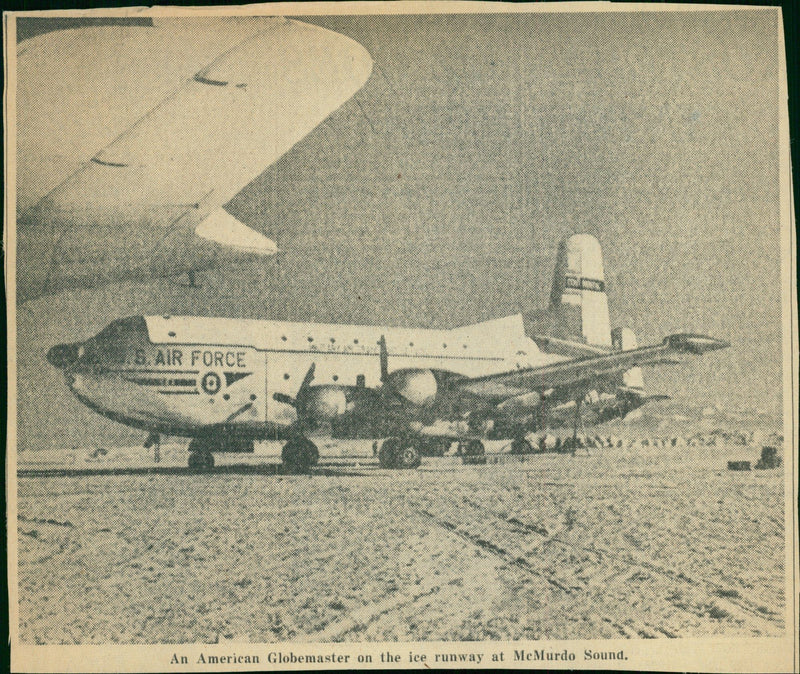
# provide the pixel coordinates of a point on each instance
(769, 458)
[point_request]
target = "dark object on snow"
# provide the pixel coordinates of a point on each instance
(472, 452)
(769, 458)
(738, 465)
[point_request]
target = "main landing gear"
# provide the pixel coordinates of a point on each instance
(472, 452)
(406, 452)
(299, 455)
(399, 453)
(201, 458)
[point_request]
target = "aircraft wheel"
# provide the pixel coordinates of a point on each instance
(521, 446)
(298, 456)
(571, 445)
(389, 452)
(408, 456)
(201, 461)
(473, 452)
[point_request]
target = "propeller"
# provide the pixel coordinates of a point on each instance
(296, 402)
(384, 357)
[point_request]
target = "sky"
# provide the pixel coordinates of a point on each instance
(437, 196)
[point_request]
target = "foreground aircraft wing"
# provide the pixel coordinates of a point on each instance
(131, 139)
(579, 372)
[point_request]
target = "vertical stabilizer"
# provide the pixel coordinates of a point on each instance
(579, 296)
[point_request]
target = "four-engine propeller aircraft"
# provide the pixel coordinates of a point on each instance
(131, 139)
(226, 383)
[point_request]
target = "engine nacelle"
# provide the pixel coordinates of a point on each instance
(419, 387)
(323, 403)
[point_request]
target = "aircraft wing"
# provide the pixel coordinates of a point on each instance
(576, 373)
(124, 175)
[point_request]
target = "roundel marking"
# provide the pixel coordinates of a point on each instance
(211, 383)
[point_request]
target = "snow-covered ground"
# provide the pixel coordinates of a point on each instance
(653, 542)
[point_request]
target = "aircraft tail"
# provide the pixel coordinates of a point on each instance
(578, 299)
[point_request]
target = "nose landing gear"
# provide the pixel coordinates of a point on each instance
(154, 441)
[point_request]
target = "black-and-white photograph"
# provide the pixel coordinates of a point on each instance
(417, 328)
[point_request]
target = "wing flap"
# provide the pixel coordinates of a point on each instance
(229, 122)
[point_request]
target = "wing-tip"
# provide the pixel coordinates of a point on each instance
(222, 228)
(696, 344)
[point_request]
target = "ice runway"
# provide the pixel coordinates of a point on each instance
(644, 543)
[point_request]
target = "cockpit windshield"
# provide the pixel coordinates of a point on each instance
(123, 328)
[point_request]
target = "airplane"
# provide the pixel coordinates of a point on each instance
(131, 139)
(225, 383)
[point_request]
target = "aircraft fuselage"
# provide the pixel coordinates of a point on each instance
(186, 375)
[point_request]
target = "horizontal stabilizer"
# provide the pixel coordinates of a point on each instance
(222, 228)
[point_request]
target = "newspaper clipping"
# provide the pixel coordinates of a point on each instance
(403, 335)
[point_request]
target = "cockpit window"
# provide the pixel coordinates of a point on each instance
(124, 327)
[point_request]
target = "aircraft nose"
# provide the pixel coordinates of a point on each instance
(63, 356)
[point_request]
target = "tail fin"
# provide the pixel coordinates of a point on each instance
(578, 298)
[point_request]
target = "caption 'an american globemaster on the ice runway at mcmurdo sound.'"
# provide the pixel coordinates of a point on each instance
(228, 382)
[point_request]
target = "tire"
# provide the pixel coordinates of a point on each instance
(521, 446)
(388, 453)
(201, 461)
(298, 456)
(408, 456)
(473, 452)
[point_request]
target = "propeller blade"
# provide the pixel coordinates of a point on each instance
(295, 402)
(384, 356)
(308, 378)
(283, 398)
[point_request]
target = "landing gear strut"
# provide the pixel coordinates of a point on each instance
(299, 455)
(399, 453)
(576, 441)
(200, 457)
(154, 441)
